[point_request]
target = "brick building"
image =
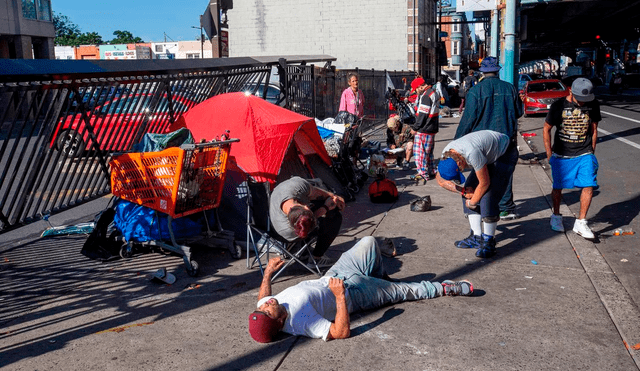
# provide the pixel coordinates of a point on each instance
(458, 42)
(391, 34)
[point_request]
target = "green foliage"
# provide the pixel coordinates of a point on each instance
(124, 37)
(66, 31)
(90, 38)
(69, 34)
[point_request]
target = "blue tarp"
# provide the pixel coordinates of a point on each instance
(139, 224)
(325, 133)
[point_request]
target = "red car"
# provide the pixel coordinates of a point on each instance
(538, 95)
(114, 124)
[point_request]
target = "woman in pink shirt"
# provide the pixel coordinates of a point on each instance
(352, 99)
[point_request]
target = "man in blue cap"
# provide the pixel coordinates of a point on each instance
(485, 151)
(495, 105)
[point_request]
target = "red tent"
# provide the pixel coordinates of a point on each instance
(267, 132)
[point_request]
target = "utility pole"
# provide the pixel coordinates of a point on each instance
(201, 39)
(510, 42)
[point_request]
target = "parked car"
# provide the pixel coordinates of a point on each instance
(524, 78)
(114, 124)
(95, 95)
(538, 95)
(273, 92)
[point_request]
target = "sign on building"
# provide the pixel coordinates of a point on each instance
(224, 43)
(120, 54)
(476, 5)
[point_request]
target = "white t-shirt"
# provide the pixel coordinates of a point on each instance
(480, 148)
(311, 308)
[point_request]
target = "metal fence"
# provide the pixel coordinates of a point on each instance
(61, 121)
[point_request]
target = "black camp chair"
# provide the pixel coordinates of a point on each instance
(264, 241)
(344, 166)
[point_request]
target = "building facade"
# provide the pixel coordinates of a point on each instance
(125, 51)
(458, 42)
(87, 52)
(164, 50)
(194, 49)
(392, 35)
(26, 29)
(65, 52)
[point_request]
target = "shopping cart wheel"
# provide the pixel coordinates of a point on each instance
(194, 269)
(126, 251)
(236, 251)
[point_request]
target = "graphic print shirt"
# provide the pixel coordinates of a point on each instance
(573, 135)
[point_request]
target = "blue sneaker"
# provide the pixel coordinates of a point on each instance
(471, 242)
(487, 247)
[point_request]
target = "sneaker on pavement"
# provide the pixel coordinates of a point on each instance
(580, 227)
(487, 247)
(556, 223)
(406, 165)
(452, 288)
(470, 242)
(508, 215)
(323, 262)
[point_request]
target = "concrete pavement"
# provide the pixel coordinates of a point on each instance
(546, 301)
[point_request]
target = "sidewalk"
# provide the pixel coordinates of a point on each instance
(537, 305)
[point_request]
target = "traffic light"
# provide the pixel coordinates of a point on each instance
(597, 37)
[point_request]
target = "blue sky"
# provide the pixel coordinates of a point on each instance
(147, 19)
(143, 18)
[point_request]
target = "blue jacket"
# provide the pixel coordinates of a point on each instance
(491, 105)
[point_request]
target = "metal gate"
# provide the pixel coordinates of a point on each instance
(59, 131)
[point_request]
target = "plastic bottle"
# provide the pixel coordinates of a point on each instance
(623, 231)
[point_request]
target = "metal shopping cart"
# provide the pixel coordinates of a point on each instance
(178, 182)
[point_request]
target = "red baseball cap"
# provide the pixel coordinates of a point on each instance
(416, 83)
(262, 327)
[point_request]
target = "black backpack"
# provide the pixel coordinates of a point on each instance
(105, 242)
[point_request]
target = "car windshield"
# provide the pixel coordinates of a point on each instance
(545, 86)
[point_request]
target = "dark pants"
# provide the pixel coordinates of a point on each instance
(328, 229)
(499, 174)
(506, 203)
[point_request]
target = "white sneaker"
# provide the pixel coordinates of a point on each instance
(556, 223)
(581, 228)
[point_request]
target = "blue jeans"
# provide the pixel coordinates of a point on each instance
(499, 174)
(506, 203)
(362, 270)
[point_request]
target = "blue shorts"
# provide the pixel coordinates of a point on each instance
(577, 172)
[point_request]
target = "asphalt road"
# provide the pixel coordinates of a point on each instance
(617, 203)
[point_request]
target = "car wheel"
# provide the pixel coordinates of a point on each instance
(70, 143)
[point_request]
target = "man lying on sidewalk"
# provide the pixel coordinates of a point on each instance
(320, 308)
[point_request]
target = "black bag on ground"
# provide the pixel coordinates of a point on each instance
(421, 204)
(104, 243)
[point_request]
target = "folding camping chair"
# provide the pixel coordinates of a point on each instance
(265, 241)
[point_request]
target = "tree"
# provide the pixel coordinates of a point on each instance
(89, 38)
(66, 31)
(124, 37)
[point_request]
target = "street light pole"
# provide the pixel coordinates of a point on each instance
(201, 40)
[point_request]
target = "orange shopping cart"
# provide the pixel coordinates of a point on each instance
(177, 181)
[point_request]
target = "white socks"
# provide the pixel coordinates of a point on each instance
(475, 222)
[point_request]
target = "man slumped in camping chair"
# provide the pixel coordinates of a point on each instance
(320, 308)
(297, 207)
